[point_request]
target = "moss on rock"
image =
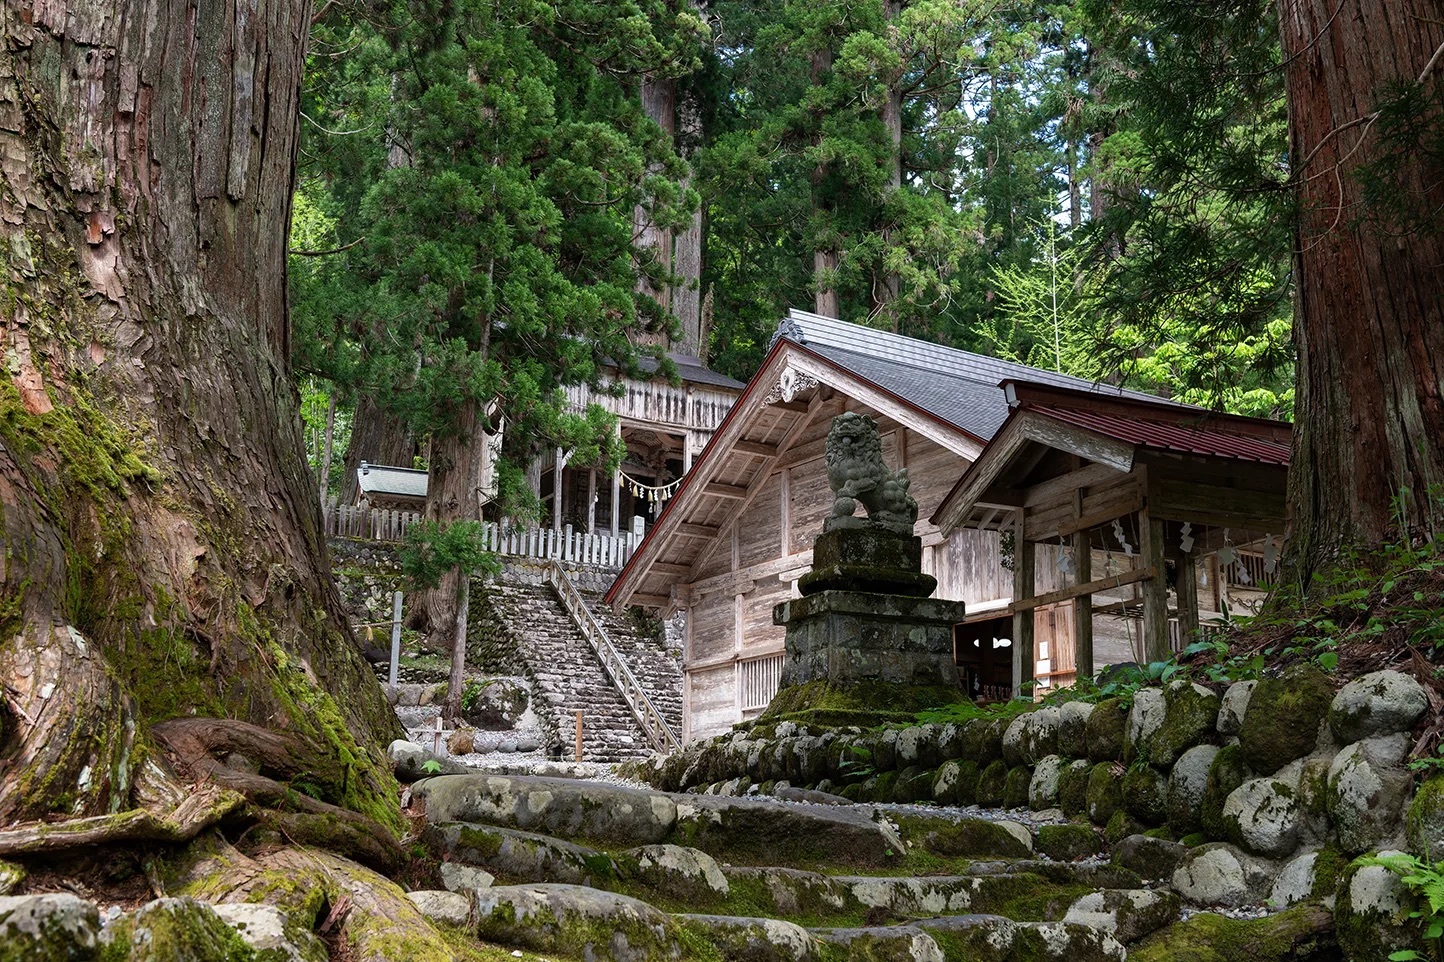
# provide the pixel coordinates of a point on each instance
(1424, 820)
(1302, 932)
(1227, 773)
(1104, 794)
(1015, 787)
(1106, 730)
(865, 704)
(1145, 794)
(1073, 788)
(1284, 717)
(991, 782)
(967, 838)
(1067, 843)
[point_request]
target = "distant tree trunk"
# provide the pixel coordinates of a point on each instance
(686, 296)
(328, 446)
(824, 253)
(162, 547)
(377, 437)
(453, 493)
(659, 103)
(887, 286)
(1369, 322)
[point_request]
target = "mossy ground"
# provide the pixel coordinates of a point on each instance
(1208, 937)
(866, 704)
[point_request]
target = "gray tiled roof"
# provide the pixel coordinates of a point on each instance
(692, 371)
(391, 481)
(957, 386)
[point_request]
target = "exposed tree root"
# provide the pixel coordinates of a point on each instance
(198, 741)
(324, 893)
(193, 815)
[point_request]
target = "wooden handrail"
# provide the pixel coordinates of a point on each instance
(654, 726)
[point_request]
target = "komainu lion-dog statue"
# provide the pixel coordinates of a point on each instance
(858, 476)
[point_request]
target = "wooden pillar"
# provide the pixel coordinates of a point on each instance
(1187, 588)
(1024, 665)
(616, 501)
(592, 501)
(1155, 589)
(557, 492)
(1083, 608)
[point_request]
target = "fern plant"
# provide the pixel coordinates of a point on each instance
(1426, 882)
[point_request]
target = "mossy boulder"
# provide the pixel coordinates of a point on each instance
(1073, 729)
(1190, 713)
(1372, 913)
(1368, 787)
(1263, 815)
(918, 745)
(878, 943)
(1073, 788)
(752, 939)
(1234, 706)
(982, 740)
(1145, 794)
(1043, 787)
(175, 928)
(1424, 821)
(945, 788)
(1227, 773)
(1104, 795)
(1303, 932)
(976, 838)
(1187, 782)
(914, 784)
(48, 928)
(1031, 737)
(1067, 843)
(1151, 858)
(680, 872)
(1120, 826)
(1379, 703)
(577, 921)
(1126, 914)
(990, 783)
(11, 875)
(1015, 787)
(1222, 874)
(1106, 728)
(1284, 717)
(1145, 718)
(966, 792)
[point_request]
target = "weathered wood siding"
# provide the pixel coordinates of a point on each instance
(758, 558)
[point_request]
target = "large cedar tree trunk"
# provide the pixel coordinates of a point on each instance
(1369, 323)
(377, 437)
(161, 549)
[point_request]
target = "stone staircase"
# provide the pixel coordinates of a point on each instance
(763, 880)
(528, 631)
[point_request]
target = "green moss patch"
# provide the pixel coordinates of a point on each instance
(1302, 932)
(865, 704)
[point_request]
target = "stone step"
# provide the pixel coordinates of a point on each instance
(738, 830)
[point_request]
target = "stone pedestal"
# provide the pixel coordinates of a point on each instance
(847, 637)
(870, 559)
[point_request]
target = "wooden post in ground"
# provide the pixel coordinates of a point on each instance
(1082, 608)
(1024, 665)
(1155, 589)
(1186, 586)
(395, 639)
(579, 736)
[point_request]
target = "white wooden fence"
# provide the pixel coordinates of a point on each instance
(567, 546)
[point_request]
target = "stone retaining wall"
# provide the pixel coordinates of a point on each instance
(1265, 791)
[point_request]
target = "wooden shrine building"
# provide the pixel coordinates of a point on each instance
(738, 532)
(1133, 499)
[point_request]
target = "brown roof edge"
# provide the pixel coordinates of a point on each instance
(1174, 412)
(645, 547)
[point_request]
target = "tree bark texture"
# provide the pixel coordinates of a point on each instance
(1369, 322)
(162, 549)
(659, 103)
(377, 438)
(453, 493)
